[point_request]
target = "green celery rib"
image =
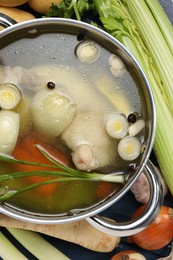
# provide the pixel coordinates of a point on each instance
(37, 245)
(163, 147)
(156, 44)
(162, 21)
(8, 250)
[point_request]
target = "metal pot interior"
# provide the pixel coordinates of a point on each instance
(51, 43)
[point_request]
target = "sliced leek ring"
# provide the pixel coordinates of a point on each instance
(87, 51)
(116, 65)
(10, 96)
(129, 148)
(117, 125)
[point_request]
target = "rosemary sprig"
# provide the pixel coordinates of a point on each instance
(67, 174)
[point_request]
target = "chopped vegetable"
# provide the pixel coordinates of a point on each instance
(26, 150)
(66, 174)
(129, 148)
(159, 233)
(136, 128)
(116, 65)
(8, 250)
(10, 96)
(36, 244)
(52, 111)
(117, 125)
(9, 130)
(104, 189)
(87, 51)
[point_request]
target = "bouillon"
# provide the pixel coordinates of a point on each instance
(81, 105)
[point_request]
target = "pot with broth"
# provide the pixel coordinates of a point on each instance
(76, 121)
(80, 112)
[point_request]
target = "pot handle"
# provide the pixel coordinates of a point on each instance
(6, 21)
(134, 226)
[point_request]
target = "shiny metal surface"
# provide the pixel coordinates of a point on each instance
(30, 29)
(6, 21)
(134, 226)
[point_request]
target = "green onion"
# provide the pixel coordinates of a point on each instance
(67, 174)
(36, 245)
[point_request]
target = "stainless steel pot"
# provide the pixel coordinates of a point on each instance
(10, 40)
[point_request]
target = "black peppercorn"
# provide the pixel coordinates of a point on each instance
(51, 85)
(132, 167)
(131, 118)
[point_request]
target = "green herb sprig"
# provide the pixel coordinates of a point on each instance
(67, 174)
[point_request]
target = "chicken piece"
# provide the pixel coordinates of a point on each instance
(19, 76)
(91, 146)
(86, 136)
(84, 157)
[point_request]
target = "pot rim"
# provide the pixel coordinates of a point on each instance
(49, 219)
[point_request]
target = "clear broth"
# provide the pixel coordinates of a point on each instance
(55, 61)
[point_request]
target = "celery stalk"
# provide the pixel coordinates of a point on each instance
(155, 42)
(162, 21)
(8, 251)
(117, 21)
(36, 244)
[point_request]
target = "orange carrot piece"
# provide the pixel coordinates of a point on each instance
(26, 150)
(104, 189)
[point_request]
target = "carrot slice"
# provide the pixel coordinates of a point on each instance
(104, 189)
(26, 150)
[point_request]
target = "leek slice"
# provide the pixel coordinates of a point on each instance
(117, 125)
(10, 96)
(129, 148)
(88, 51)
(117, 66)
